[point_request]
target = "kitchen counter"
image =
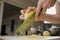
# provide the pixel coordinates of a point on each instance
(28, 38)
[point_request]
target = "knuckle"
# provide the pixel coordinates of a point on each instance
(29, 7)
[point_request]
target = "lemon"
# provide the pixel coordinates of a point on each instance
(46, 33)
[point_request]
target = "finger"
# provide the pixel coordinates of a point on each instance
(38, 9)
(44, 10)
(21, 17)
(45, 6)
(30, 9)
(23, 12)
(37, 19)
(49, 5)
(53, 2)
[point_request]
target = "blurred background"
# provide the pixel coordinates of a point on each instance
(9, 17)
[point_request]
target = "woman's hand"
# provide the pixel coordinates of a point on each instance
(23, 12)
(44, 4)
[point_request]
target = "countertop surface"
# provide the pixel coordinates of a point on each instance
(28, 38)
